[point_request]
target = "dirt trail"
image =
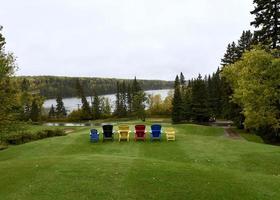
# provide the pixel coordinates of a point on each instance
(230, 133)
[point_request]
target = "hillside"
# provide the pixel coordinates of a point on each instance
(51, 86)
(201, 164)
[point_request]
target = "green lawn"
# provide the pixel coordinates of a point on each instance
(201, 164)
(249, 136)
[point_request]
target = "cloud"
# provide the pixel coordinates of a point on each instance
(154, 39)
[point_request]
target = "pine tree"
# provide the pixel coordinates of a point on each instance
(200, 110)
(35, 111)
(139, 105)
(135, 86)
(177, 102)
(129, 99)
(187, 97)
(267, 19)
(96, 107)
(182, 79)
(244, 43)
(214, 94)
(231, 55)
(60, 109)
(105, 107)
(52, 112)
(123, 99)
(86, 111)
(117, 102)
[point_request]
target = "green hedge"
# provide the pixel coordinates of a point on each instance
(25, 136)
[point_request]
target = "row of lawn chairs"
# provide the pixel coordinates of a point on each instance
(139, 133)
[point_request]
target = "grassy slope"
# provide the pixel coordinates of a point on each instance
(201, 164)
(249, 136)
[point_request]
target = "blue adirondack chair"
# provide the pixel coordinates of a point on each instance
(94, 135)
(155, 132)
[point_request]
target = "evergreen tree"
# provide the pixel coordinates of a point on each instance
(187, 99)
(244, 43)
(117, 103)
(105, 107)
(231, 55)
(135, 86)
(215, 94)
(86, 111)
(35, 111)
(200, 110)
(52, 112)
(123, 99)
(129, 98)
(267, 20)
(182, 79)
(177, 102)
(96, 107)
(25, 100)
(60, 110)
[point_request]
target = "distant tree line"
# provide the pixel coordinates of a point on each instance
(50, 86)
(130, 102)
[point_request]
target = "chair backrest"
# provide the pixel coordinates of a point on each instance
(170, 131)
(93, 132)
(156, 127)
(156, 130)
(107, 130)
(123, 128)
(140, 130)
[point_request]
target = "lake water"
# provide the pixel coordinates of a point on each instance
(73, 103)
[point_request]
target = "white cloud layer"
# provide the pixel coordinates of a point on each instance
(150, 39)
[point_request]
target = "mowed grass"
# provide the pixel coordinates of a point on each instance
(200, 164)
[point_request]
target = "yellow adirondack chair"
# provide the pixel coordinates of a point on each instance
(123, 132)
(170, 134)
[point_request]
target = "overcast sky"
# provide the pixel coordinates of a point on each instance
(150, 39)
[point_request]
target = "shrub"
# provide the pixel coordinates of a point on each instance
(59, 132)
(42, 134)
(24, 136)
(75, 115)
(14, 139)
(3, 146)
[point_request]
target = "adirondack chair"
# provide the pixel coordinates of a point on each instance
(108, 133)
(94, 135)
(123, 132)
(170, 134)
(140, 133)
(155, 132)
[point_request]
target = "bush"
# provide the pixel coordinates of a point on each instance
(14, 139)
(24, 137)
(3, 146)
(59, 132)
(42, 134)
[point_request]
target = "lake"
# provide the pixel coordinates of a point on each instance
(74, 102)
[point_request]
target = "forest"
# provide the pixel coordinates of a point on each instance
(50, 86)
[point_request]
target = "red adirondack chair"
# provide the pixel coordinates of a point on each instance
(140, 132)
